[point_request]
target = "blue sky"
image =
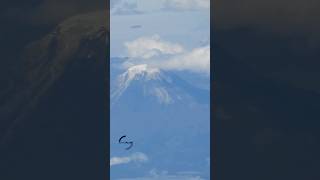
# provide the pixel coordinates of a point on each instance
(170, 35)
(182, 22)
(191, 29)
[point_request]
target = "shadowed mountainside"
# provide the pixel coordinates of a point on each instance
(266, 128)
(54, 113)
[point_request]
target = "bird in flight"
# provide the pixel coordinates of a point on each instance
(125, 142)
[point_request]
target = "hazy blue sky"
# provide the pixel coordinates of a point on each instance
(181, 24)
(172, 140)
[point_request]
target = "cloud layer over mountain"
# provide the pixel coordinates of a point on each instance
(167, 55)
(198, 60)
(149, 47)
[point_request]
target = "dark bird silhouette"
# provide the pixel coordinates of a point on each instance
(125, 142)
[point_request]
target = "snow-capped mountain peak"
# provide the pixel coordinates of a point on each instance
(152, 78)
(142, 83)
(143, 73)
(142, 70)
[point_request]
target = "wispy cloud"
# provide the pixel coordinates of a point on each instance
(151, 46)
(198, 60)
(127, 7)
(135, 157)
(186, 4)
(156, 175)
(124, 7)
(167, 55)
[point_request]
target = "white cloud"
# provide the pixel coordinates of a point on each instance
(135, 157)
(198, 60)
(155, 175)
(152, 51)
(149, 47)
(124, 7)
(187, 4)
(128, 7)
(166, 177)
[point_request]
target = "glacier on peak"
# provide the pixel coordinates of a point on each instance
(142, 83)
(154, 81)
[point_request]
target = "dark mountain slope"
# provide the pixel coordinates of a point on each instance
(267, 129)
(54, 117)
